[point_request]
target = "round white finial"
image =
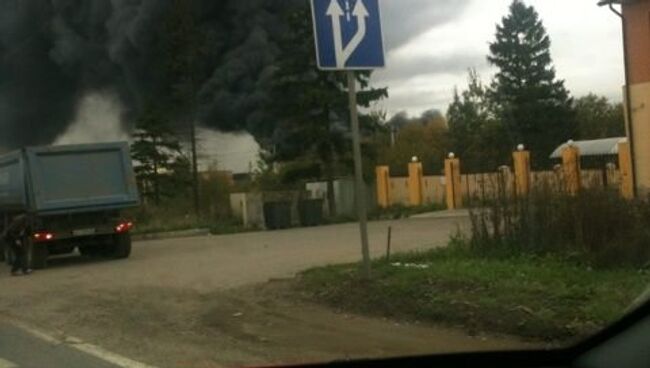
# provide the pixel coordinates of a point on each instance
(570, 142)
(414, 159)
(452, 155)
(521, 147)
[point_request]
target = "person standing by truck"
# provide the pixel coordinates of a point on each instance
(15, 238)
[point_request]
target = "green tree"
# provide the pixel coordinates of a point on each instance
(160, 166)
(598, 118)
(533, 106)
(310, 110)
(474, 133)
(426, 142)
(186, 55)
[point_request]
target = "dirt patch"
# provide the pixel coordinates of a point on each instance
(261, 324)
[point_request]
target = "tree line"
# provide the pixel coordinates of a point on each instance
(306, 135)
(525, 103)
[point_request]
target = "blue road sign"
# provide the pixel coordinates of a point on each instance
(348, 34)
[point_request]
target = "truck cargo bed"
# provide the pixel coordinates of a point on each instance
(68, 179)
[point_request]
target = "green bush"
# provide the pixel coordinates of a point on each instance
(596, 226)
(178, 213)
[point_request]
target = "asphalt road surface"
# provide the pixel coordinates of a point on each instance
(20, 349)
(206, 302)
(220, 262)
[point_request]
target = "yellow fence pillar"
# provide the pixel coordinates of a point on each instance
(571, 169)
(453, 183)
(383, 186)
(415, 184)
(625, 165)
(521, 160)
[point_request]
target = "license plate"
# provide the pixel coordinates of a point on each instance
(83, 232)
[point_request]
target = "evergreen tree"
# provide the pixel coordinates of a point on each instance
(533, 106)
(185, 57)
(160, 166)
(310, 109)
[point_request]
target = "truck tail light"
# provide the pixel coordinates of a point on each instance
(43, 236)
(123, 227)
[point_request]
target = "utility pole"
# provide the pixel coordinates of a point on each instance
(193, 117)
(195, 166)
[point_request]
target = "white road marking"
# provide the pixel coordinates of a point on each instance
(80, 345)
(7, 364)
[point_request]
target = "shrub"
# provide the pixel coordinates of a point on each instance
(596, 226)
(178, 213)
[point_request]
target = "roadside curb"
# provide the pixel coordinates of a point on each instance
(442, 214)
(171, 235)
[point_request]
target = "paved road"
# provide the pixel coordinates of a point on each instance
(137, 306)
(221, 262)
(20, 349)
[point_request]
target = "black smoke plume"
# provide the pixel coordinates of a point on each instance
(53, 52)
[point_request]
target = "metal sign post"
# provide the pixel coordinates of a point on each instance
(349, 37)
(360, 186)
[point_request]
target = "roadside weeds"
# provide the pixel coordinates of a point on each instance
(539, 298)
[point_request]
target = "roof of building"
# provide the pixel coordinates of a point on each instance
(607, 2)
(596, 147)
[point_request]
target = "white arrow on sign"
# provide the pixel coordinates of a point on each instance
(335, 12)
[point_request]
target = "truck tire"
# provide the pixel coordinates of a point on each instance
(38, 256)
(122, 246)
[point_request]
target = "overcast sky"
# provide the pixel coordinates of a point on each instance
(433, 43)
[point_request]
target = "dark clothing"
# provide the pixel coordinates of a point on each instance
(15, 238)
(19, 251)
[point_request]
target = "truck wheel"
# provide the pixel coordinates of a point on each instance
(38, 258)
(122, 246)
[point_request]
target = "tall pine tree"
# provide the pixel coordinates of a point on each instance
(534, 107)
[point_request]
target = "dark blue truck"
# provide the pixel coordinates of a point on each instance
(73, 197)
